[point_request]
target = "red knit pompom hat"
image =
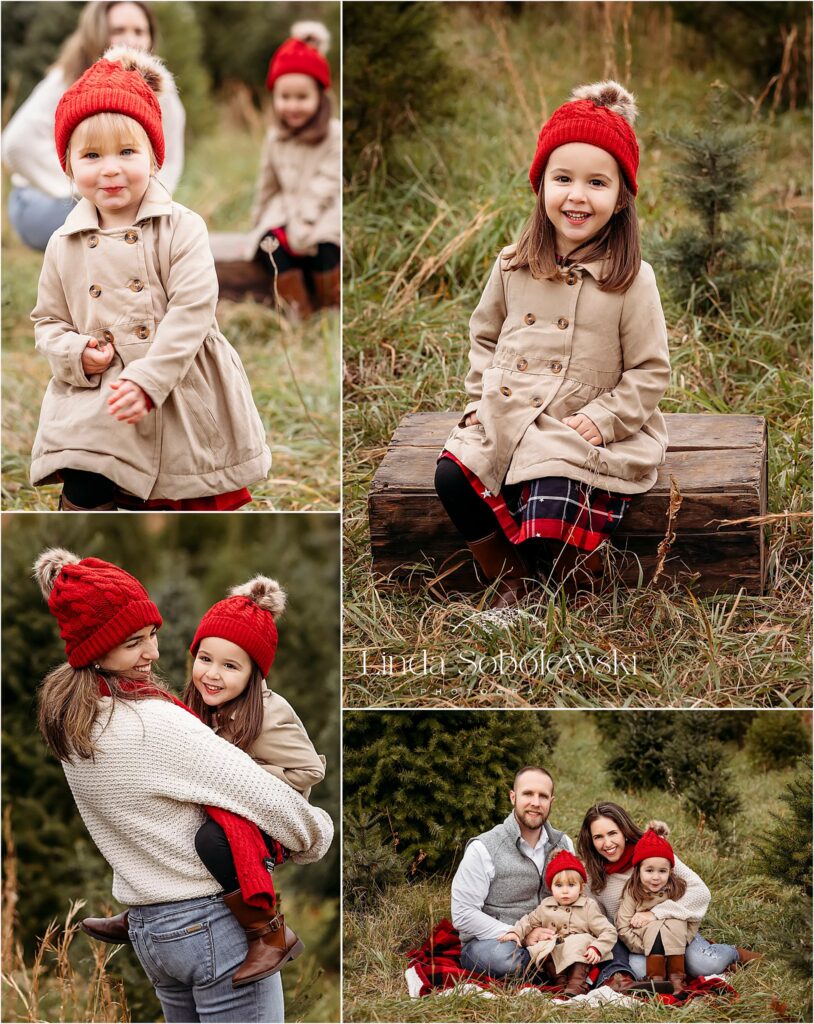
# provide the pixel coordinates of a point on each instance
(97, 604)
(601, 115)
(652, 844)
(123, 81)
(246, 618)
(302, 54)
(563, 861)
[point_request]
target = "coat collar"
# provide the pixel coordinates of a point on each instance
(596, 268)
(157, 202)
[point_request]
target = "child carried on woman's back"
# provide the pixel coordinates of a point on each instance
(584, 936)
(149, 405)
(234, 647)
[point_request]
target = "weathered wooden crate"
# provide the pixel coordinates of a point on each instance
(238, 278)
(718, 462)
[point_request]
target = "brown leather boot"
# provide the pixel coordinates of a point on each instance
(577, 975)
(619, 982)
(676, 972)
(499, 558)
(747, 956)
(326, 287)
(294, 295)
(271, 943)
(107, 929)
(655, 981)
(68, 506)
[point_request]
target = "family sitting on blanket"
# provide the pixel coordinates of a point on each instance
(505, 879)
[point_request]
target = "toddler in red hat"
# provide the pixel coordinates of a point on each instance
(663, 940)
(148, 405)
(296, 212)
(583, 935)
(568, 361)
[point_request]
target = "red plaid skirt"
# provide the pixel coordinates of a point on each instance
(552, 508)
(213, 503)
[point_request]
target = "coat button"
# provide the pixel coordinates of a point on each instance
(95, 291)
(530, 318)
(142, 332)
(536, 401)
(135, 285)
(130, 237)
(108, 337)
(93, 241)
(505, 391)
(556, 367)
(562, 323)
(572, 278)
(522, 364)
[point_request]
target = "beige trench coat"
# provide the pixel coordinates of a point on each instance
(283, 747)
(299, 187)
(544, 350)
(578, 926)
(149, 290)
(675, 934)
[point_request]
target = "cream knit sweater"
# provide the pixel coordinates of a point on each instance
(142, 800)
(691, 907)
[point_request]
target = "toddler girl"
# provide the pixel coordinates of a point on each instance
(234, 648)
(149, 405)
(568, 361)
(296, 210)
(663, 940)
(584, 935)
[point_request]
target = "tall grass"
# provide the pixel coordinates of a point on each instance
(293, 369)
(746, 909)
(420, 240)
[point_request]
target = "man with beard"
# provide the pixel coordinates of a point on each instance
(501, 877)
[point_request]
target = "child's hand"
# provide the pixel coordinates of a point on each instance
(96, 357)
(584, 427)
(539, 934)
(130, 404)
(640, 919)
(510, 937)
(591, 956)
(471, 420)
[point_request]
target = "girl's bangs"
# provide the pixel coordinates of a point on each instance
(109, 129)
(569, 877)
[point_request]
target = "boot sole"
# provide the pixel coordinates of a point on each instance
(651, 987)
(293, 953)
(105, 938)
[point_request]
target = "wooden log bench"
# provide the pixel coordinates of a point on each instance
(718, 462)
(238, 278)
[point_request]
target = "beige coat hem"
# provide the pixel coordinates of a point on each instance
(563, 952)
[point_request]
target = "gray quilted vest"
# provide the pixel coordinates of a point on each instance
(518, 887)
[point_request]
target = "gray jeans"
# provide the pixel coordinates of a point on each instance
(35, 216)
(189, 951)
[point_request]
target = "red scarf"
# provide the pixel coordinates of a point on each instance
(247, 845)
(624, 862)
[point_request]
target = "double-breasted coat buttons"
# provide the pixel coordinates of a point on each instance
(130, 237)
(536, 401)
(562, 323)
(95, 291)
(572, 278)
(522, 364)
(142, 332)
(506, 392)
(530, 318)
(93, 241)
(556, 367)
(108, 337)
(135, 285)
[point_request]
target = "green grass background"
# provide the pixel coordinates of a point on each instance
(293, 369)
(421, 236)
(745, 909)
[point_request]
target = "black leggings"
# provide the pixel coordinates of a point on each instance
(327, 258)
(471, 515)
(213, 848)
(87, 490)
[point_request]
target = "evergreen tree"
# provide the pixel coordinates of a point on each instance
(439, 777)
(786, 853)
(370, 861)
(776, 739)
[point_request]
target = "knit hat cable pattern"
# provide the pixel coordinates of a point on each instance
(302, 54)
(652, 844)
(563, 861)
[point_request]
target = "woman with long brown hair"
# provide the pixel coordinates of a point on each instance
(142, 768)
(606, 844)
(41, 198)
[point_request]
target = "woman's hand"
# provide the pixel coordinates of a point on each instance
(640, 919)
(585, 428)
(540, 934)
(471, 420)
(511, 936)
(591, 956)
(96, 357)
(130, 403)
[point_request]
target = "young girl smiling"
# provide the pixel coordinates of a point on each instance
(149, 405)
(568, 361)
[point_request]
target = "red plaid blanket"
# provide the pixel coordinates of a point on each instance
(436, 966)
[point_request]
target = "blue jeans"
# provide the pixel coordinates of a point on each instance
(35, 216)
(701, 958)
(189, 951)
(497, 959)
